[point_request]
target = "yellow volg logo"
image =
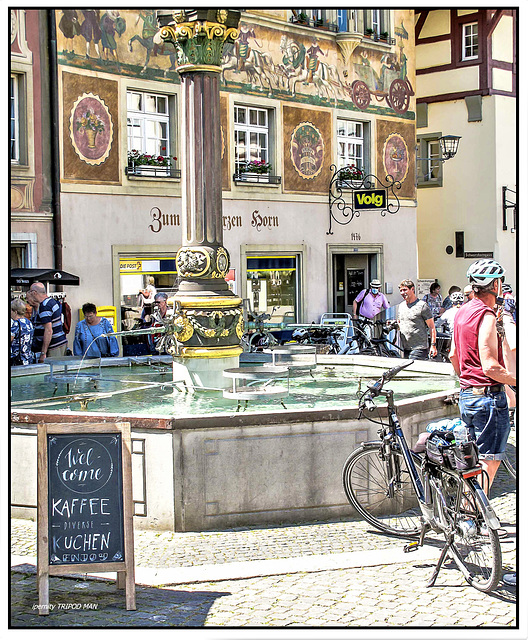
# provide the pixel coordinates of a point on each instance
(370, 199)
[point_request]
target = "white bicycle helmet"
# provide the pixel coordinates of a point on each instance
(483, 272)
(457, 297)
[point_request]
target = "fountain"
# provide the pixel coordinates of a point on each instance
(198, 463)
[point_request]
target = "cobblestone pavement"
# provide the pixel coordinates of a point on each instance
(324, 574)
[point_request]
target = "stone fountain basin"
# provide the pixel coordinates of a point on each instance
(196, 473)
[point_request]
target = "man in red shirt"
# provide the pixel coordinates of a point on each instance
(476, 355)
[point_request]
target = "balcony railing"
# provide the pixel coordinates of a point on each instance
(377, 38)
(262, 178)
(151, 171)
(315, 23)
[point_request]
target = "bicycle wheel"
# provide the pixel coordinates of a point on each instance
(381, 491)
(476, 548)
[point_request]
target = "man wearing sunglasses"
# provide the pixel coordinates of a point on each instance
(476, 355)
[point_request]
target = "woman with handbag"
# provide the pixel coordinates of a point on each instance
(90, 339)
(21, 334)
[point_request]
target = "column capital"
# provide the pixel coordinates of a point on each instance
(199, 35)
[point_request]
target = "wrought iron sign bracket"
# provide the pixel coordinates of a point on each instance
(351, 191)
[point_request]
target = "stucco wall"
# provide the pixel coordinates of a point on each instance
(470, 199)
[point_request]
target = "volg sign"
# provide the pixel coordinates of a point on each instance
(370, 199)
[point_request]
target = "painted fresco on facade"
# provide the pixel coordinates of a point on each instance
(395, 151)
(91, 129)
(123, 42)
(90, 107)
(307, 149)
(285, 64)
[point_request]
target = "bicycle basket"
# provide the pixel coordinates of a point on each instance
(466, 456)
(439, 449)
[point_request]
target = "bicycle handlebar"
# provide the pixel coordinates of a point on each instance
(374, 389)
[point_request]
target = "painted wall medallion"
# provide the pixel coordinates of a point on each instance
(91, 129)
(307, 150)
(396, 157)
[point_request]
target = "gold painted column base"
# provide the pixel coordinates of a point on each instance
(210, 352)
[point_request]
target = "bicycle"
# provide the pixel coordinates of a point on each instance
(404, 494)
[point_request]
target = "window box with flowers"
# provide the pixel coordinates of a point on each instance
(144, 164)
(256, 171)
(349, 174)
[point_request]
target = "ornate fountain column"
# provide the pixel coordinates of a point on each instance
(209, 316)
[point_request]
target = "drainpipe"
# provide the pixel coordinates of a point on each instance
(54, 142)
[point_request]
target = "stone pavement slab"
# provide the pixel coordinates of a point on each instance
(335, 574)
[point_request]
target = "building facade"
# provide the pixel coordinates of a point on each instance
(466, 85)
(303, 94)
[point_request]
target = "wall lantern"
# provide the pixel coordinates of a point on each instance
(449, 146)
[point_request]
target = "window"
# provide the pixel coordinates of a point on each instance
(429, 160)
(148, 123)
(251, 136)
(346, 20)
(351, 143)
(273, 286)
(470, 41)
(14, 111)
(376, 21)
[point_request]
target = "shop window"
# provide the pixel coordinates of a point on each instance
(149, 131)
(470, 41)
(273, 286)
(352, 144)
(429, 164)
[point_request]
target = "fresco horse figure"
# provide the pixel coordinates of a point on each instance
(325, 77)
(258, 66)
(151, 41)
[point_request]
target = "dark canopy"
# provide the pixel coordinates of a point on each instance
(28, 276)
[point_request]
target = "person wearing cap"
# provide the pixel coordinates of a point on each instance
(155, 319)
(468, 293)
(477, 358)
(369, 302)
(448, 317)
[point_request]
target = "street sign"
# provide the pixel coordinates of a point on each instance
(478, 254)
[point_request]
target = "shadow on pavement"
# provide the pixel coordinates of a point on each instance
(98, 603)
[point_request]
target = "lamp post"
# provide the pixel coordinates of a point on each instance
(448, 148)
(208, 315)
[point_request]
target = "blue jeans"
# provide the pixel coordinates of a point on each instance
(488, 422)
(416, 354)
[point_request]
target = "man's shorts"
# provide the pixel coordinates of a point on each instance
(488, 421)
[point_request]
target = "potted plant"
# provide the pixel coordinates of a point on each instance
(149, 165)
(350, 172)
(384, 35)
(369, 32)
(256, 168)
(302, 18)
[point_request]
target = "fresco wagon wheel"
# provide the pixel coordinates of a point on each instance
(398, 97)
(360, 94)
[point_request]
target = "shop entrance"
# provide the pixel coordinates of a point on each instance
(351, 274)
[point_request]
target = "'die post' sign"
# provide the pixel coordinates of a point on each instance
(370, 199)
(85, 508)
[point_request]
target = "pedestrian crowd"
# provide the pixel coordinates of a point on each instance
(40, 325)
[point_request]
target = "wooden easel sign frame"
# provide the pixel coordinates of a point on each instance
(84, 509)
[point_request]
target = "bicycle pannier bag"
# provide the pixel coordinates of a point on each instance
(439, 450)
(466, 455)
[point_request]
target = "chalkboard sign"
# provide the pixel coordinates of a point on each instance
(85, 504)
(85, 507)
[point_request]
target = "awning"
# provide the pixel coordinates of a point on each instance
(28, 276)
